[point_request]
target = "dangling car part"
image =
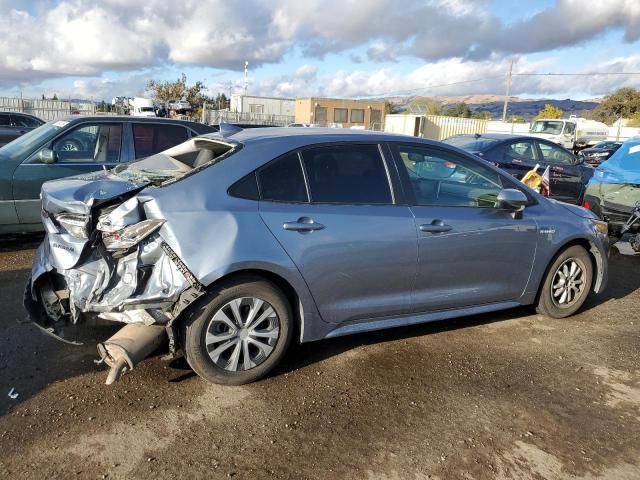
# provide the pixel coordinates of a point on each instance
(632, 224)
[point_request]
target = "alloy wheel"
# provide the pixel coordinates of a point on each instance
(568, 283)
(242, 334)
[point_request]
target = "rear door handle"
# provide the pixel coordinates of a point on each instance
(303, 224)
(437, 226)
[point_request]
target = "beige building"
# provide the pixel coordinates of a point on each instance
(329, 112)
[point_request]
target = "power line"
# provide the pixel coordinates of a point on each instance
(413, 90)
(573, 74)
(410, 91)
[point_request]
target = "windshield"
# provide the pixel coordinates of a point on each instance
(471, 143)
(33, 139)
(553, 127)
(174, 163)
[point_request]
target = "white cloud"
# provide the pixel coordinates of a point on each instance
(86, 37)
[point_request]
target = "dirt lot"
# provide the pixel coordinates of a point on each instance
(509, 395)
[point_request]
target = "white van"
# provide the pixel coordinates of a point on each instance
(572, 133)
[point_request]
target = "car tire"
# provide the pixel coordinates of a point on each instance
(70, 145)
(224, 339)
(567, 283)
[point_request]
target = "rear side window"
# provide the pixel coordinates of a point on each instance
(24, 121)
(350, 174)
(5, 120)
(283, 180)
(151, 138)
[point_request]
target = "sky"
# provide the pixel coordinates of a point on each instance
(97, 49)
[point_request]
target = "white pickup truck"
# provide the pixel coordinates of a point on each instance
(572, 133)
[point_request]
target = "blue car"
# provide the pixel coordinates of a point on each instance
(232, 245)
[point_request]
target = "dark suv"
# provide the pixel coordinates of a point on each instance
(13, 125)
(518, 154)
(72, 146)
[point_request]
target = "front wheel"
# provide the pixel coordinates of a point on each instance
(567, 283)
(240, 333)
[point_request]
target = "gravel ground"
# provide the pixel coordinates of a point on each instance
(507, 395)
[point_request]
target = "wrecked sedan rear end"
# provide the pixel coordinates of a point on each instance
(105, 255)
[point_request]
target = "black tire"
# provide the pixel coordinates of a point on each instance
(553, 306)
(201, 321)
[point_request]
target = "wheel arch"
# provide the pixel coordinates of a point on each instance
(597, 262)
(287, 288)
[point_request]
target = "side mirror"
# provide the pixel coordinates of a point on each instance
(512, 199)
(46, 155)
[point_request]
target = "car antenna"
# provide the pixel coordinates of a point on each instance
(227, 129)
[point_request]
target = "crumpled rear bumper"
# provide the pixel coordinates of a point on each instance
(147, 285)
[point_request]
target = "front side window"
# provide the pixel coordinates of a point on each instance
(149, 139)
(569, 128)
(357, 116)
(5, 120)
(340, 115)
(553, 154)
(283, 181)
(348, 174)
(90, 143)
(440, 178)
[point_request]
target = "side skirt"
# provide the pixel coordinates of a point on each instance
(371, 325)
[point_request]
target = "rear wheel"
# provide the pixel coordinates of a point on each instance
(240, 333)
(567, 283)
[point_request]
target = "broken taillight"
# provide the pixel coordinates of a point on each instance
(130, 235)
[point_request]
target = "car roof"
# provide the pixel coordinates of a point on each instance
(20, 113)
(200, 127)
(496, 136)
(312, 135)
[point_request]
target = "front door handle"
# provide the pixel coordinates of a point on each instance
(437, 226)
(303, 224)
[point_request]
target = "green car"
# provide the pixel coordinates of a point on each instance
(614, 190)
(72, 146)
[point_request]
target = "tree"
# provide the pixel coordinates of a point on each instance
(516, 119)
(220, 102)
(43, 97)
(103, 107)
(549, 111)
(163, 91)
(458, 110)
(634, 121)
(55, 96)
(483, 115)
(388, 107)
(623, 103)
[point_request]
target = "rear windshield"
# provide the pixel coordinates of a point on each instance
(471, 144)
(177, 162)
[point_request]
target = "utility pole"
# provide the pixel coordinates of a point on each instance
(507, 93)
(246, 78)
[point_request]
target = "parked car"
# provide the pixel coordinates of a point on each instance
(232, 243)
(518, 154)
(179, 106)
(599, 153)
(14, 125)
(73, 146)
(614, 189)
